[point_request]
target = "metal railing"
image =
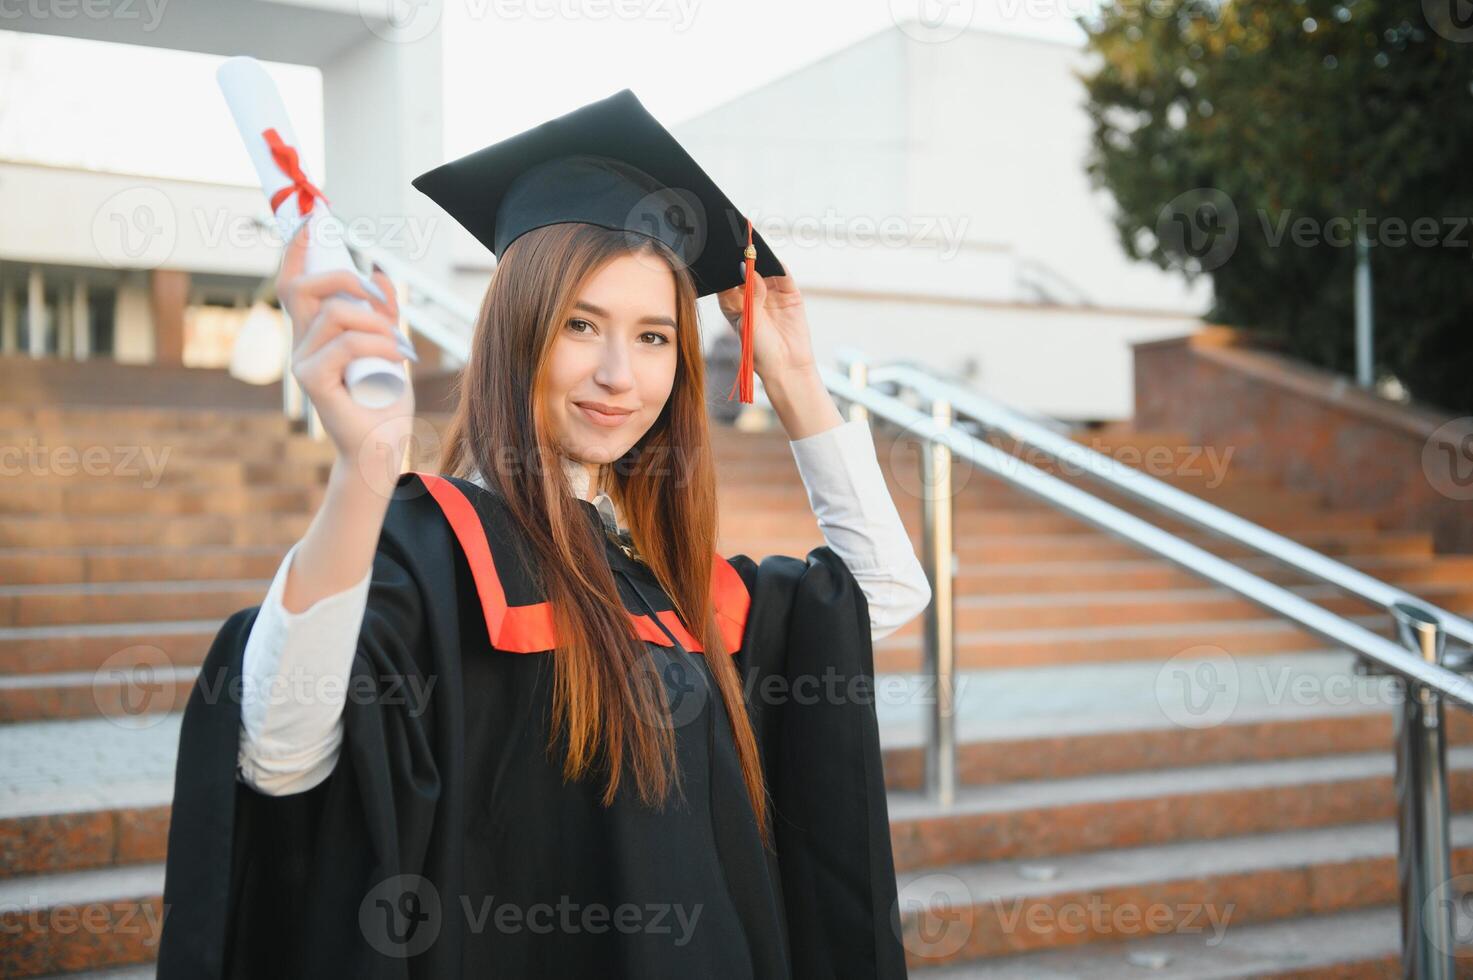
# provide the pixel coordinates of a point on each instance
(1419, 662)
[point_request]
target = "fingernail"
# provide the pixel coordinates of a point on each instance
(407, 349)
(373, 288)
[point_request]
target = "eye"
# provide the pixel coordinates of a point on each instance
(660, 339)
(577, 321)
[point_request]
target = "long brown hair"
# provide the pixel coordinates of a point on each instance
(607, 696)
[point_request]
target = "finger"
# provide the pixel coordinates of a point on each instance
(338, 316)
(390, 308)
(294, 259)
(325, 284)
(322, 370)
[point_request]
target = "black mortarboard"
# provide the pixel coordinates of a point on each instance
(611, 164)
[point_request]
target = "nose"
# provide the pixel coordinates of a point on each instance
(614, 371)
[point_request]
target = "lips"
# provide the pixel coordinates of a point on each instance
(604, 415)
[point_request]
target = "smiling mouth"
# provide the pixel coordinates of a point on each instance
(606, 419)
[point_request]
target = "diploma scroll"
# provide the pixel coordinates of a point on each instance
(272, 144)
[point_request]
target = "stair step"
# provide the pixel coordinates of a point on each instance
(1091, 813)
(1298, 904)
(61, 923)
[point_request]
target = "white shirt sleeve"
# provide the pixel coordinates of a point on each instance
(295, 670)
(859, 522)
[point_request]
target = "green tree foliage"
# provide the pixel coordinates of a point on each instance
(1248, 139)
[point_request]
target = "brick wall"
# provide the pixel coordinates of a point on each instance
(1312, 429)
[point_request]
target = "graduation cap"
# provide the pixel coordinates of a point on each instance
(611, 164)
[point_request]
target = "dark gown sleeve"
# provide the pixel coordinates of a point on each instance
(259, 885)
(808, 666)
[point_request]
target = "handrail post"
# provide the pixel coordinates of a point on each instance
(940, 641)
(1423, 851)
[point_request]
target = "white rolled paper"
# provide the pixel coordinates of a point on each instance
(254, 101)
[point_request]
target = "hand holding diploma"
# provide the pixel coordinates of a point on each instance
(301, 208)
(337, 321)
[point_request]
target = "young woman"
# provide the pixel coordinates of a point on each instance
(518, 718)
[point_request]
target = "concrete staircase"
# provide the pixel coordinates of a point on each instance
(1159, 778)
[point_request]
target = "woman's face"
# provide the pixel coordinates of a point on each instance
(612, 365)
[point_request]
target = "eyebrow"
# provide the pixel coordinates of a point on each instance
(659, 321)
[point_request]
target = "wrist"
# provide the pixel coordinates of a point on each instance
(801, 402)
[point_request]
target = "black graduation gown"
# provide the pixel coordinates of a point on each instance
(445, 843)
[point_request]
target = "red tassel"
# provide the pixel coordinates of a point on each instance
(743, 383)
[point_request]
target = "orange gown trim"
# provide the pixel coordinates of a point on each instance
(530, 628)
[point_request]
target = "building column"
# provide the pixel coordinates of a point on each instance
(36, 313)
(168, 295)
(81, 321)
(381, 103)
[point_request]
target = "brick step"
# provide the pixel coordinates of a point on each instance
(15, 418)
(125, 602)
(1022, 724)
(1046, 819)
(219, 473)
(177, 532)
(81, 920)
(1361, 945)
(56, 566)
(901, 652)
(1203, 890)
(142, 501)
(139, 678)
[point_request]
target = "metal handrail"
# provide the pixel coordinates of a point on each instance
(1080, 503)
(1423, 843)
(1163, 496)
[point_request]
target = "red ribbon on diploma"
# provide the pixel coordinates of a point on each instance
(286, 158)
